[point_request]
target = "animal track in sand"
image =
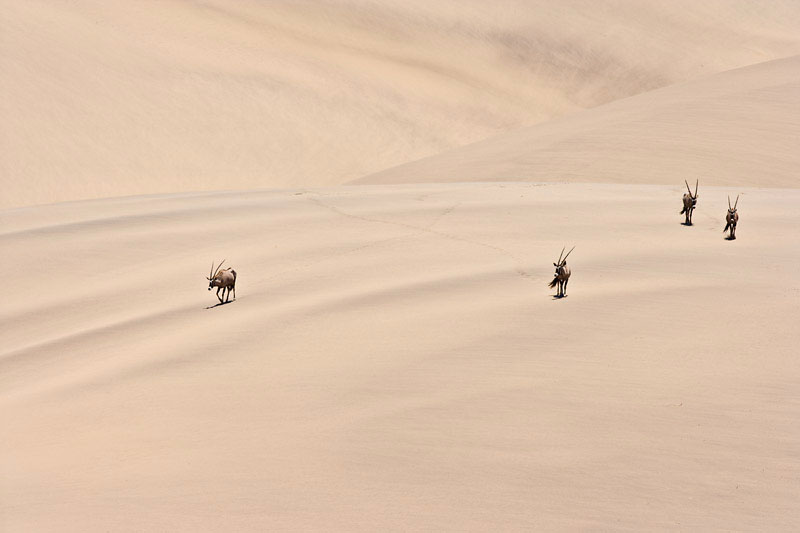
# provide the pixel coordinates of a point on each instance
(429, 229)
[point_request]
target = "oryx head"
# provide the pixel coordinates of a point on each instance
(212, 276)
(692, 196)
(561, 262)
(732, 210)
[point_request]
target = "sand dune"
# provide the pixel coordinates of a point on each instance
(737, 128)
(111, 98)
(395, 361)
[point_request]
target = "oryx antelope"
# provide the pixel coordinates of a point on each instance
(689, 202)
(222, 279)
(562, 274)
(732, 218)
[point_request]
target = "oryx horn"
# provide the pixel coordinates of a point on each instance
(565, 257)
(213, 273)
(218, 267)
(736, 203)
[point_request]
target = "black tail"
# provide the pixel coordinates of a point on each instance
(553, 283)
(682, 211)
(234, 277)
(728, 225)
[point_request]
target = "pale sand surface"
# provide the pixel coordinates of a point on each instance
(740, 127)
(103, 98)
(394, 360)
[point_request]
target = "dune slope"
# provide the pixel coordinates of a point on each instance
(737, 128)
(394, 360)
(105, 99)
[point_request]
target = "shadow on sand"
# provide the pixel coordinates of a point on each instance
(220, 304)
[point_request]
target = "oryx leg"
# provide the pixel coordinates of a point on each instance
(228, 297)
(218, 297)
(565, 287)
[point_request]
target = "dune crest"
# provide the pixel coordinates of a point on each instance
(734, 128)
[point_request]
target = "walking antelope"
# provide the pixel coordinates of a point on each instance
(732, 218)
(222, 279)
(562, 274)
(689, 202)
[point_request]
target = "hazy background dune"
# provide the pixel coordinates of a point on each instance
(117, 98)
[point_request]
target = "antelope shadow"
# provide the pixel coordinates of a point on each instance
(220, 304)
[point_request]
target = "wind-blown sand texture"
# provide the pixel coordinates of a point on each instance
(107, 98)
(394, 359)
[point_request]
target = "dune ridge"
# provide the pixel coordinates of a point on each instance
(737, 128)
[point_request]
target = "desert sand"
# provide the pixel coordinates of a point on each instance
(392, 183)
(737, 127)
(395, 360)
(106, 99)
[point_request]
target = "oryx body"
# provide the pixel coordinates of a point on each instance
(689, 202)
(222, 280)
(562, 274)
(731, 218)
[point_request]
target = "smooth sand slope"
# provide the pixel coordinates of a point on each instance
(739, 128)
(105, 99)
(395, 361)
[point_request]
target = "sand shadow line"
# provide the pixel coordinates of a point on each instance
(220, 304)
